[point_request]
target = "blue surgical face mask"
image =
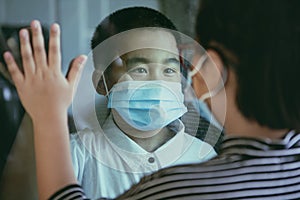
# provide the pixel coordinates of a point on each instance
(205, 112)
(147, 105)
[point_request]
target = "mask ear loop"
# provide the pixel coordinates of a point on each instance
(224, 75)
(218, 88)
(119, 60)
(198, 65)
(105, 85)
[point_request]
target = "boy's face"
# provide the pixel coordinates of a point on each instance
(153, 55)
(161, 63)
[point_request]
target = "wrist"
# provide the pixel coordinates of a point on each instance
(50, 117)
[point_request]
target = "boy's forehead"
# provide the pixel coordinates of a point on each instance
(158, 39)
(149, 54)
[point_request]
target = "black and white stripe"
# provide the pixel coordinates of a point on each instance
(245, 169)
(70, 192)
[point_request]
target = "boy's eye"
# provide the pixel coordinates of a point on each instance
(139, 70)
(169, 71)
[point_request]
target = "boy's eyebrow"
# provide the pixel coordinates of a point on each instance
(172, 60)
(145, 60)
(134, 60)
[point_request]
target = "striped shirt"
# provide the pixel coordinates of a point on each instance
(74, 192)
(246, 168)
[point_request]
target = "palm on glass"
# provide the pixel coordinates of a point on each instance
(42, 86)
(46, 95)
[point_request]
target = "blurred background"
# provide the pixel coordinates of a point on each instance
(78, 19)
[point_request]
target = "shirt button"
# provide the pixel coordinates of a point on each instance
(151, 160)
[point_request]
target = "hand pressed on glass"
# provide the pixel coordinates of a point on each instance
(46, 95)
(43, 86)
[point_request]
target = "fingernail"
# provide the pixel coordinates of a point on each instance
(55, 27)
(35, 24)
(23, 34)
(82, 60)
(7, 56)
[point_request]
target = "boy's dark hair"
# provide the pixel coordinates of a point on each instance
(127, 19)
(265, 37)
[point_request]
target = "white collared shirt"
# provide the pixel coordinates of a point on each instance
(107, 163)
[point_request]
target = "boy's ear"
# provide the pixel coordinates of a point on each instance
(99, 82)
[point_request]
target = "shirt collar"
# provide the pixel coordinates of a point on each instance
(129, 150)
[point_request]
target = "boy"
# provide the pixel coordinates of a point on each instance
(143, 132)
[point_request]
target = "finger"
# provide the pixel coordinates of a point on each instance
(38, 45)
(76, 69)
(70, 66)
(54, 47)
(26, 52)
(13, 69)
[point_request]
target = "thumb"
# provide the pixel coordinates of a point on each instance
(76, 69)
